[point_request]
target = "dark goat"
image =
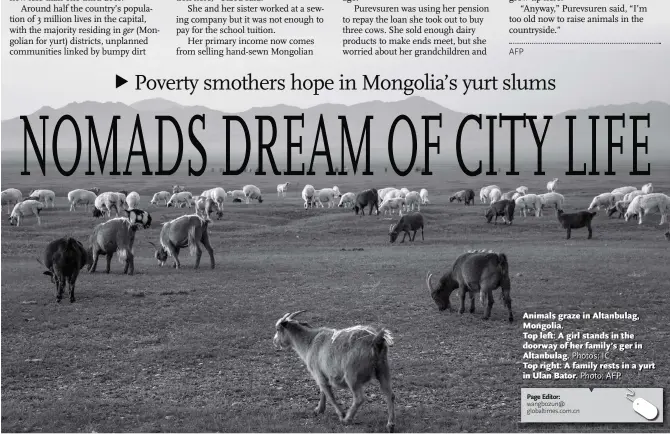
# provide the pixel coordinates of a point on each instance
(576, 221)
(667, 235)
(504, 208)
(474, 271)
(367, 198)
(63, 259)
(467, 196)
(407, 223)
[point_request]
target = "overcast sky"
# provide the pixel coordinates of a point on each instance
(585, 75)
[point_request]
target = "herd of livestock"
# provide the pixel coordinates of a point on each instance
(347, 358)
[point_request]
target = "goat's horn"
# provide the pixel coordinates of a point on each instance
(391, 228)
(428, 282)
(153, 245)
(294, 314)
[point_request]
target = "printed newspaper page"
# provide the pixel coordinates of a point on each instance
(335, 215)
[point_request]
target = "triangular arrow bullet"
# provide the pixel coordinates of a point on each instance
(591, 389)
(120, 81)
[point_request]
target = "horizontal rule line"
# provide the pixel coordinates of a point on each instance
(585, 43)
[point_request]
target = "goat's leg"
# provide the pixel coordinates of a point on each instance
(322, 404)
(359, 399)
(198, 255)
(328, 391)
(210, 251)
(588, 226)
(175, 256)
(489, 305)
(109, 262)
(569, 231)
(73, 278)
(472, 302)
(404, 234)
(505, 286)
(414, 237)
(384, 378)
(462, 309)
(422, 233)
(96, 255)
(129, 268)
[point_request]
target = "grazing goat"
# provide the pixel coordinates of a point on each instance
(185, 231)
(647, 188)
(160, 196)
(347, 200)
(81, 197)
(551, 200)
(114, 235)
(649, 203)
(624, 190)
(472, 272)
(182, 197)
(495, 195)
(484, 193)
(605, 200)
(391, 205)
(467, 196)
(133, 200)
(237, 194)
(620, 207)
(308, 195)
(106, 201)
(346, 358)
(205, 206)
(412, 200)
(552, 185)
(406, 224)
(424, 196)
(63, 259)
(503, 208)
(217, 194)
(577, 220)
(11, 197)
(177, 188)
(47, 197)
(252, 192)
(529, 202)
(282, 189)
(28, 206)
(366, 198)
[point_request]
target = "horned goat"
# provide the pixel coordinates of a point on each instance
(11, 197)
(472, 272)
(81, 197)
(346, 358)
(649, 203)
(185, 231)
(28, 206)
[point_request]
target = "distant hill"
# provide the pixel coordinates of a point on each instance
(475, 141)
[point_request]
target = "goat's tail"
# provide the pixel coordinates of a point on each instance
(192, 241)
(503, 266)
(123, 254)
(382, 340)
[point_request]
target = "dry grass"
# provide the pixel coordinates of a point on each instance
(180, 350)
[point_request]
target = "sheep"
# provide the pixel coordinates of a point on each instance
(504, 208)
(345, 358)
(133, 200)
(382, 192)
(522, 189)
(632, 195)
(484, 193)
(237, 195)
(282, 188)
(407, 223)
(648, 203)
(205, 206)
(218, 196)
(552, 185)
(366, 198)
(327, 195)
(474, 271)
(182, 197)
(553, 199)
(308, 195)
(178, 188)
(161, 196)
(95, 190)
(47, 197)
(412, 200)
(517, 195)
(63, 259)
(620, 207)
(618, 196)
(605, 200)
(22, 208)
(11, 197)
(424, 196)
(528, 202)
(114, 235)
(347, 199)
(647, 188)
(510, 195)
(578, 220)
(624, 190)
(81, 197)
(185, 231)
(467, 196)
(106, 201)
(252, 192)
(404, 191)
(392, 204)
(494, 195)
(391, 194)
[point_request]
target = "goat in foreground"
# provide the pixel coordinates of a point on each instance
(474, 271)
(346, 358)
(185, 231)
(114, 235)
(63, 259)
(576, 221)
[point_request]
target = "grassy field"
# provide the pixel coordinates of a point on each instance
(169, 350)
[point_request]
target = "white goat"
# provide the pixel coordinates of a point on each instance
(624, 190)
(205, 206)
(485, 191)
(347, 358)
(81, 197)
(647, 188)
(186, 231)
(282, 189)
(182, 197)
(495, 195)
(552, 185)
(237, 194)
(647, 204)
(217, 194)
(412, 200)
(28, 206)
(47, 197)
(551, 200)
(605, 200)
(252, 192)
(11, 197)
(160, 196)
(308, 194)
(424, 196)
(133, 200)
(528, 202)
(347, 199)
(106, 201)
(390, 205)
